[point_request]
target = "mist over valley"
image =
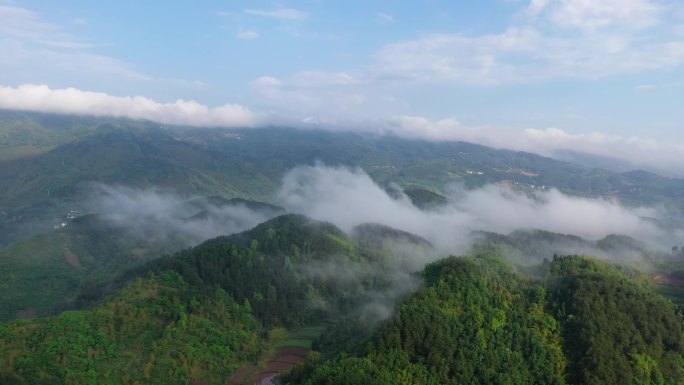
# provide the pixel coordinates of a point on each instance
(342, 193)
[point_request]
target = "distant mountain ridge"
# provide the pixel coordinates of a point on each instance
(39, 188)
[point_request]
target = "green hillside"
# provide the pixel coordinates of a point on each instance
(198, 315)
(46, 272)
(26, 134)
(130, 303)
(212, 312)
(532, 247)
(39, 187)
(476, 321)
(61, 268)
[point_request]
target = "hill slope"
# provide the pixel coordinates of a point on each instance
(198, 315)
(61, 268)
(207, 311)
(38, 190)
(478, 322)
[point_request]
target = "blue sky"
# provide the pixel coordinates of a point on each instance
(599, 76)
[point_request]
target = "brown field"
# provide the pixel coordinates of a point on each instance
(667, 280)
(284, 360)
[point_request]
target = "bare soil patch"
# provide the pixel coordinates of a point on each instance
(284, 360)
(71, 258)
(667, 280)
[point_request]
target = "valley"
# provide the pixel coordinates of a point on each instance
(348, 192)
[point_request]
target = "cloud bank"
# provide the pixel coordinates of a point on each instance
(634, 152)
(348, 198)
(169, 218)
(41, 98)
(282, 13)
(35, 50)
(593, 15)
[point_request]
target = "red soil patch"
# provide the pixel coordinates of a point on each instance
(284, 360)
(667, 280)
(239, 377)
(301, 352)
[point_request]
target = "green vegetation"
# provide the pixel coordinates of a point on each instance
(425, 199)
(43, 183)
(68, 267)
(199, 315)
(475, 322)
(47, 272)
(478, 322)
(531, 247)
(616, 329)
(207, 312)
(363, 302)
(155, 331)
(24, 134)
(301, 338)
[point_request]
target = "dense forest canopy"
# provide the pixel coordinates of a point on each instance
(177, 256)
(207, 311)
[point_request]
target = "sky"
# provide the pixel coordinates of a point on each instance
(604, 77)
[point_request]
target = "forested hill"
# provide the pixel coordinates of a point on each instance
(532, 247)
(477, 321)
(39, 184)
(205, 312)
(49, 272)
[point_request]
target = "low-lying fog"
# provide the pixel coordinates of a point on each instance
(152, 213)
(349, 197)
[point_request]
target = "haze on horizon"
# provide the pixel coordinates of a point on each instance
(602, 77)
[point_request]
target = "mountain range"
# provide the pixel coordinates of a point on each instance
(137, 253)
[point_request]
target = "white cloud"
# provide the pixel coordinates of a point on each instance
(282, 13)
(588, 15)
(348, 198)
(248, 35)
(313, 79)
(150, 214)
(34, 50)
(23, 24)
(678, 30)
(266, 81)
(385, 18)
(639, 152)
(646, 87)
(526, 52)
(536, 6)
(73, 101)
(22, 63)
(522, 55)
(417, 127)
(519, 55)
(326, 98)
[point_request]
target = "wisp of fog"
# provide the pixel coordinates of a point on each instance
(165, 215)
